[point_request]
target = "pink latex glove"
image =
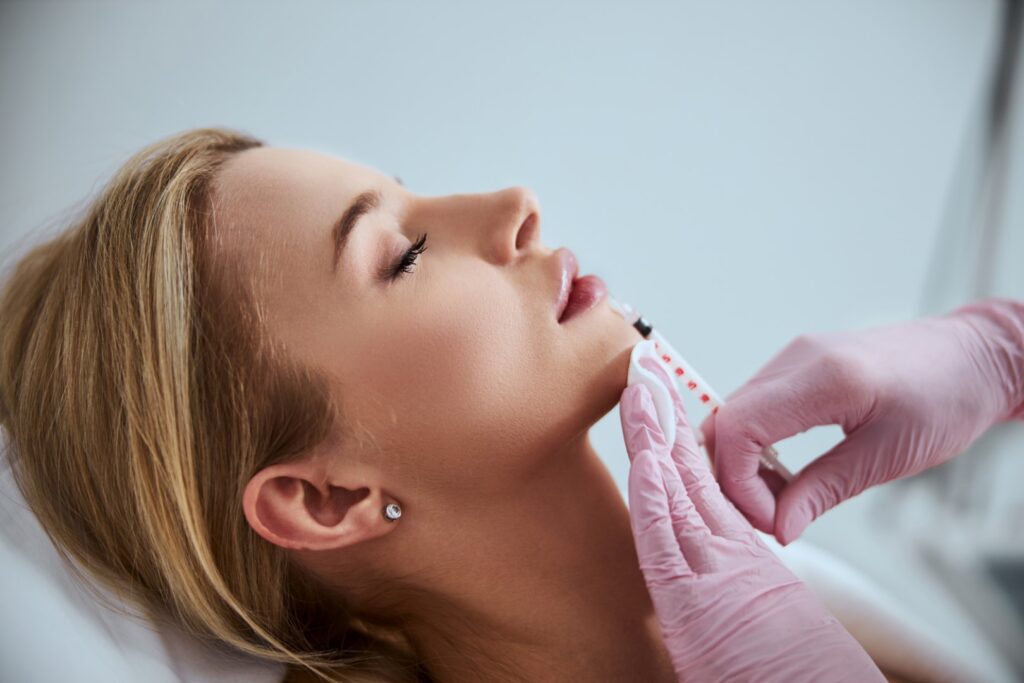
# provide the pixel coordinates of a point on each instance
(908, 397)
(729, 609)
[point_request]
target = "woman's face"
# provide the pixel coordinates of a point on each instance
(458, 371)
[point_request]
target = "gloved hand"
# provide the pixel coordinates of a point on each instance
(729, 609)
(908, 397)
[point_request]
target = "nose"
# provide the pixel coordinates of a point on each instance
(517, 219)
(500, 226)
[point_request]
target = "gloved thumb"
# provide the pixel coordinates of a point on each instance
(843, 472)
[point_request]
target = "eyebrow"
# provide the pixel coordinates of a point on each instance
(361, 205)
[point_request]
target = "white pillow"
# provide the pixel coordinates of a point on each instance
(53, 629)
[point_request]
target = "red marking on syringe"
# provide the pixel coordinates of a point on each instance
(768, 456)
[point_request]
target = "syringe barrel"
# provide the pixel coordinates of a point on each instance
(678, 366)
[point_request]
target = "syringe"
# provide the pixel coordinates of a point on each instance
(677, 365)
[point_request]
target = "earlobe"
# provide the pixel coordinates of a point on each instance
(291, 506)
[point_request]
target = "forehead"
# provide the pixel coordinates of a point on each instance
(273, 209)
(280, 182)
(277, 197)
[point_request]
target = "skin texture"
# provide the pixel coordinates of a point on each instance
(466, 403)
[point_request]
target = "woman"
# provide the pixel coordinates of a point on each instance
(215, 418)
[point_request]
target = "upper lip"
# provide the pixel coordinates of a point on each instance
(566, 270)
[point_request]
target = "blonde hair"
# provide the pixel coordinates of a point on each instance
(140, 393)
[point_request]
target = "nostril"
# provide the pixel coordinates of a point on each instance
(527, 231)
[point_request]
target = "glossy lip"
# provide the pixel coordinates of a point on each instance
(567, 269)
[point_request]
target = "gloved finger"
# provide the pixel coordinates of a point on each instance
(773, 480)
(721, 518)
(639, 418)
(760, 414)
(688, 520)
(661, 559)
(737, 459)
(643, 434)
(843, 472)
(775, 483)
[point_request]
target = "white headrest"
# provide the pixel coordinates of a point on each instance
(53, 629)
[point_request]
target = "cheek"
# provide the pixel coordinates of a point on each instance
(482, 380)
(448, 384)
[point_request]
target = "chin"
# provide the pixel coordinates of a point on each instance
(597, 386)
(605, 385)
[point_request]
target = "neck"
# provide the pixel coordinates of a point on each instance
(545, 588)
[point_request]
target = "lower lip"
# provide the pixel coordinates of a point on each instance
(586, 293)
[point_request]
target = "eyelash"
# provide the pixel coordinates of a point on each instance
(405, 263)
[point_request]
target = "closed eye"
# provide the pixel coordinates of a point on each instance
(406, 262)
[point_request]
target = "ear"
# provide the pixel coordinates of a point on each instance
(294, 505)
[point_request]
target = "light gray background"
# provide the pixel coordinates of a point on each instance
(742, 172)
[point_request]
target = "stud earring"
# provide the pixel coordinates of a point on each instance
(392, 512)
